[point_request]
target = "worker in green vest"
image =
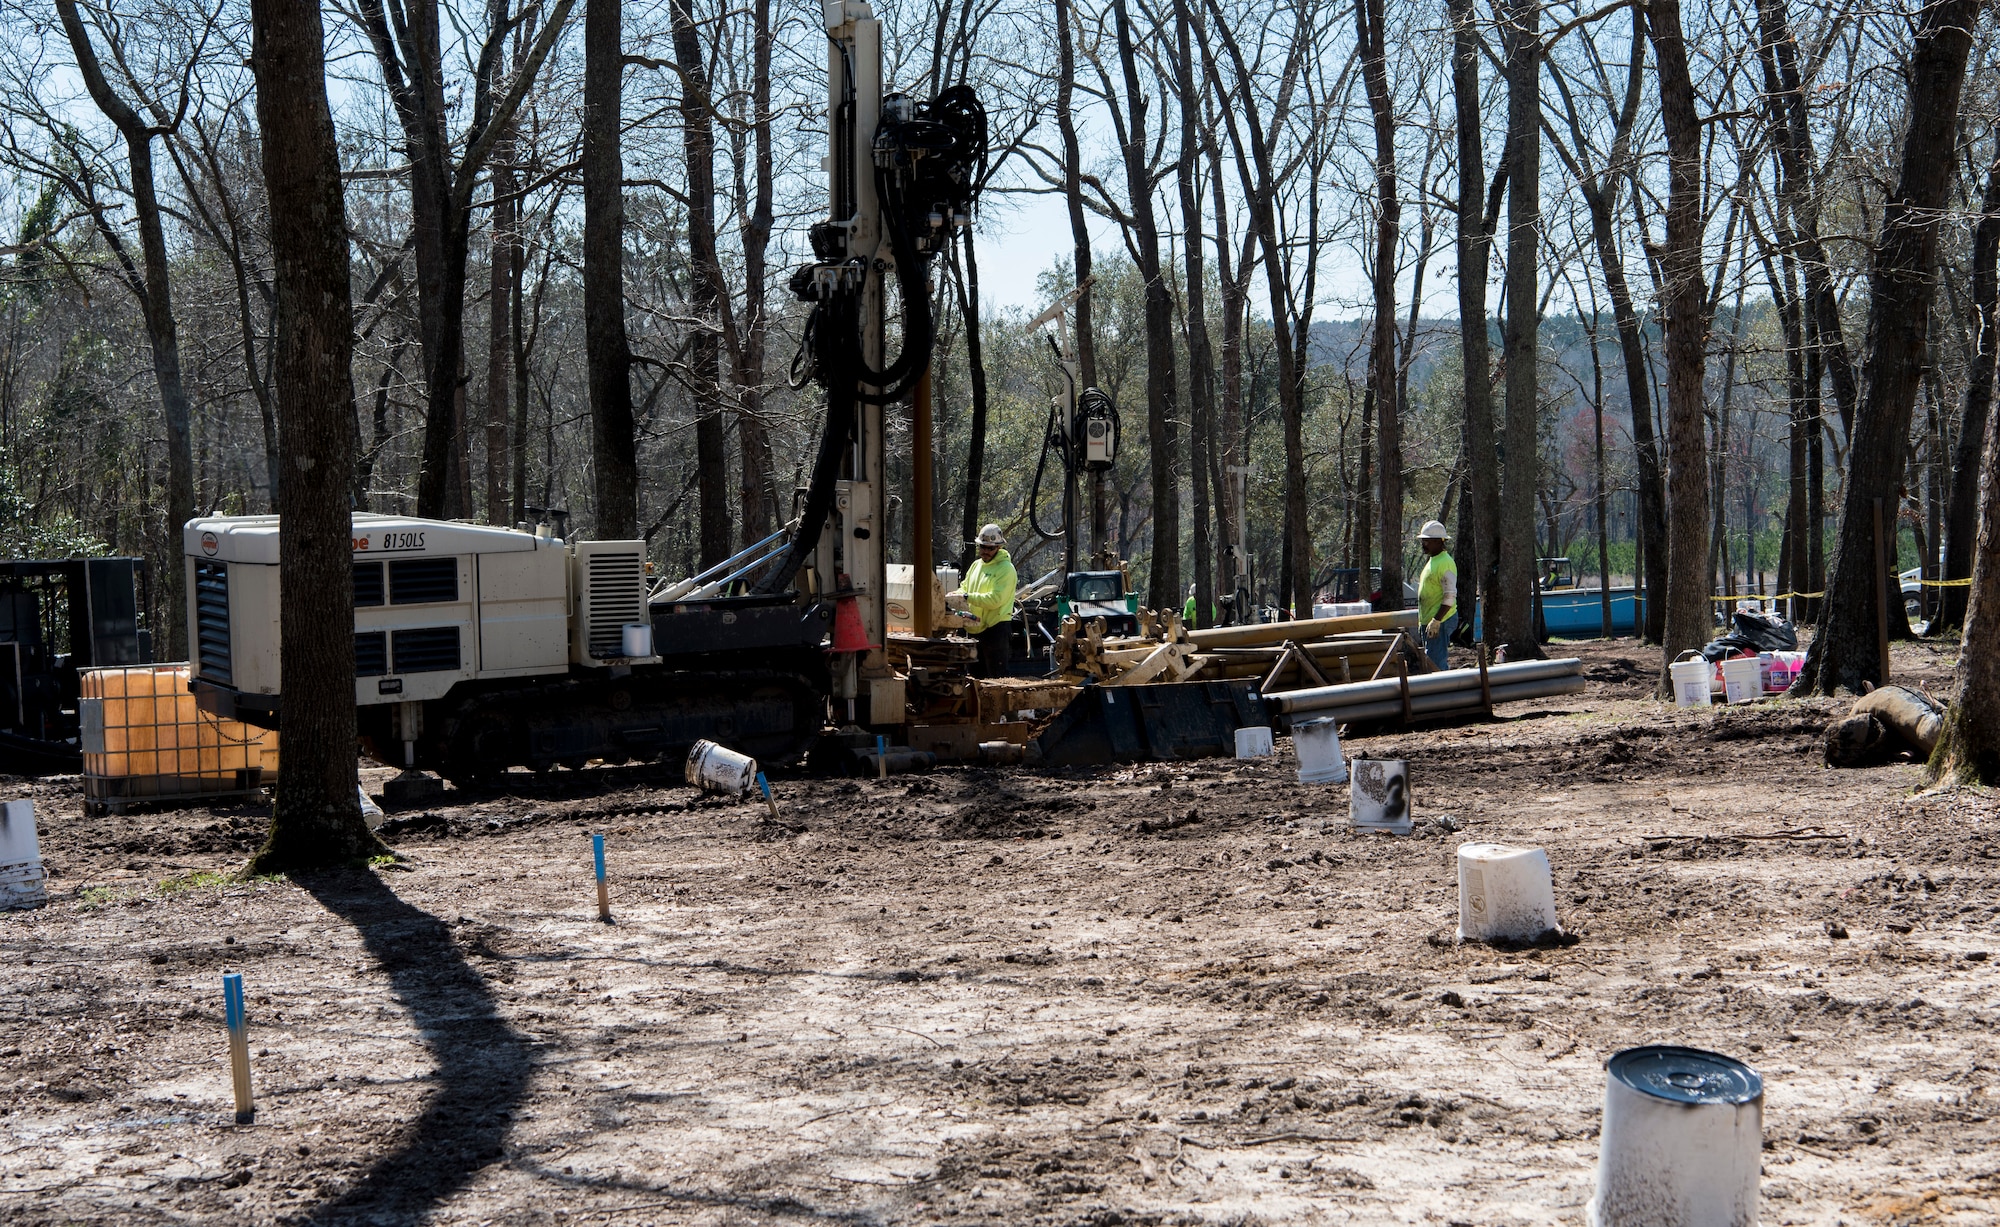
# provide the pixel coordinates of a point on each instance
(1187, 610)
(1437, 593)
(987, 594)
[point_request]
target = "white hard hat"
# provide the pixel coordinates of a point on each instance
(1432, 531)
(990, 535)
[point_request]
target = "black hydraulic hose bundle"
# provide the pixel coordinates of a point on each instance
(929, 161)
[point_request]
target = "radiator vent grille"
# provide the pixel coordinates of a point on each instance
(427, 649)
(617, 596)
(367, 583)
(423, 581)
(371, 654)
(211, 613)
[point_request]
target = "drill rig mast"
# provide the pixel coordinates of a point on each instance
(903, 176)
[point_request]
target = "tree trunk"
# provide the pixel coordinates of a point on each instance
(1510, 610)
(316, 819)
(1844, 653)
(1780, 53)
(1364, 496)
(1383, 368)
(1164, 576)
(1603, 506)
(1685, 306)
(500, 333)
(1961, 517)
(1600, 193)
(758, 503)
(706, 300)
(154, 289)
(1235, 285)
(1201, 358)
(1086, 338)
(1968, 748)
(607, 352)
(1479, 525)
(1785, 294)
(1260, 188)
(411, 59)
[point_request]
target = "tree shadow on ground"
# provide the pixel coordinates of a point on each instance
(483, 1063)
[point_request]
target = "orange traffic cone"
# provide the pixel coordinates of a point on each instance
(848, 633)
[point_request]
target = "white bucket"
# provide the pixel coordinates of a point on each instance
(638, 639)
(1691, 682)
(1380, 797)
(1742, 680)
(19, 843)
(21, 886)
(1504, 894)
(1256, 742)
(1318, 746)
(1682, 1140)
(714, 768)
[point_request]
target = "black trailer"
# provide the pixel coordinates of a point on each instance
(57, 618)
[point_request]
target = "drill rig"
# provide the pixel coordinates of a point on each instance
(478, 649)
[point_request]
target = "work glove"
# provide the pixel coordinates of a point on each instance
(955, 599)
(1433, 628)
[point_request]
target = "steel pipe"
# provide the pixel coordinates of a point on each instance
(1450, 701)
(1348, 693)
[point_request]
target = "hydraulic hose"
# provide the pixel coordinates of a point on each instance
(901, 375)
(840, 405)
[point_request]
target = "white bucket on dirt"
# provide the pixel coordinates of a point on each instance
(1380, 797)
(19, 842)
(1318, 745)
(1742, 680)
(1253, 742)
(21, 886)
(1682, 1140)
(1690, 678)
(21, 870)
(1504, 894)
(638, 639)
(714, 768)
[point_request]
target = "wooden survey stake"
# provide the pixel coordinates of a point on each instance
(603, 892)
(239, 1044)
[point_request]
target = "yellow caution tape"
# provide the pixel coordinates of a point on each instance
(1751, 596)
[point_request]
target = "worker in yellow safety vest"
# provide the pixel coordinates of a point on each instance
(1437, 593)
(987, 594)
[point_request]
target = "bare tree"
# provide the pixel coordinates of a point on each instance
(1255, 166)
(317, 817)
(1968, 748)
(708, 299)
(1479, 522)
(410, 57)
(1686, 309)
(1164, 576)
(1201, 355)
(1509, 610)
(1372, 48)
(152, 287)
(1961, 519)
(1600, 188)
(1844, 652)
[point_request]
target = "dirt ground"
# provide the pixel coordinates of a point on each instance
(1141, 995)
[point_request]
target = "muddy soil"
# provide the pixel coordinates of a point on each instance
(1142, 995)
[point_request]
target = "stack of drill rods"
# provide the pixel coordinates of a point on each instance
(1274, 634)
(1362, 653)
(1449, 690)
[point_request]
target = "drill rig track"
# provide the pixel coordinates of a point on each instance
(647, 716)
